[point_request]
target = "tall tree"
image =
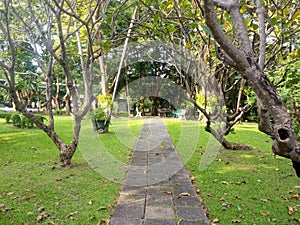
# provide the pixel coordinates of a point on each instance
(50, 27)
(240, 53)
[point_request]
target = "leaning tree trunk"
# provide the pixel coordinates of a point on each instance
(284, 143)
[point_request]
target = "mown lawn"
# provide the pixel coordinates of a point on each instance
(244, 187)
(33, 187)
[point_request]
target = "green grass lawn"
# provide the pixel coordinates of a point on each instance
(245, 187)
(34, 189)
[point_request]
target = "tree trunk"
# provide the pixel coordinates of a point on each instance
(67, 99)
(66, 153)
(284, 143)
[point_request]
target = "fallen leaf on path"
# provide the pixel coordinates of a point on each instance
(184, 194)
(168, 192)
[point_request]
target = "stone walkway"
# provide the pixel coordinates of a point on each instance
(157, 189)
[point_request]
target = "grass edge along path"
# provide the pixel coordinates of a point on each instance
(34, 189)
(244, 187)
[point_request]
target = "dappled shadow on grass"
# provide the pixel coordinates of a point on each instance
(246, 187)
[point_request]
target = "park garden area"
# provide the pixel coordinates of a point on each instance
(246, 187)
(227, 67)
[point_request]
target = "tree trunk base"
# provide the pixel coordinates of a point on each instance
(296, 167)
(236, 146)
(66, 154)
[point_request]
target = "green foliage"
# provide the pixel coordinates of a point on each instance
(41, 118)
(3, 114)
(25, 122)
(59, 112)
(21, 121)
(16, 119)
(105, 101)
(99, 114)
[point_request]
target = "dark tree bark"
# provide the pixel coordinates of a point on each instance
(284, 143)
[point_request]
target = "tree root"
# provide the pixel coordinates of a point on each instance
(235, 146)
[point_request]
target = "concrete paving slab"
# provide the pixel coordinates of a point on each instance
(159, 222)
(189, 213)
(125, 221)
(129, 211)
(159, 212)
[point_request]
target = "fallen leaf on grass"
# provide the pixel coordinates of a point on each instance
(2, 206)
(59, 179)
(41, 209)
(90, 202)
(42, 216)
(295, 197)
(265, 213)
(235, 221)
(236, 183)
(106, 221)
(71, 215)
(216, 220)
(192, 178)
(265, 200)
(27, 197)
(292, 210)
(297, 187)
(101, 208)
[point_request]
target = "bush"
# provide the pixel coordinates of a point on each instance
(7, 118)
(16, 119)
(59, 112)
(25, 122)
(5, 115)
(21, 121)
(41, 118)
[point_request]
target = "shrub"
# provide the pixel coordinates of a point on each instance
(5, 115)
(16, 119)
(21, 121)
(25, 122)
(59, 112)
(7, 118)
(41, 118)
